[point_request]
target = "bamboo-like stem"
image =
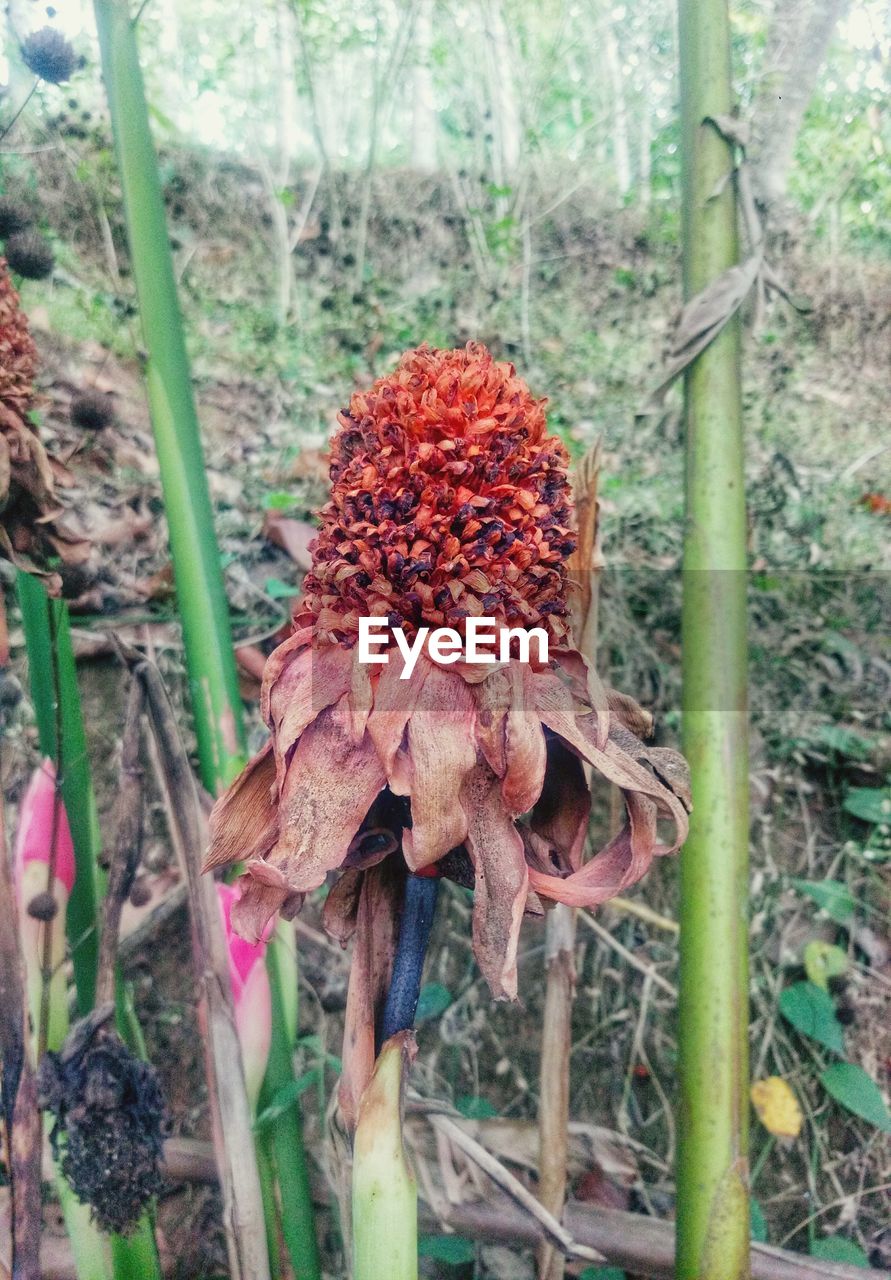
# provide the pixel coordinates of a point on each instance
(201, 598)
(60, 729)
(712, 1174)
(287, 1147)
(385, 1194)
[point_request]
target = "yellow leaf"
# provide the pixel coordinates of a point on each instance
(777, 1107)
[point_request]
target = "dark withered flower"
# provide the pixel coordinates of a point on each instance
(109, 1118)
(92, 410)
(49, 55)
(449, 501)
(32, 527)
(30, 255)
(14, 216)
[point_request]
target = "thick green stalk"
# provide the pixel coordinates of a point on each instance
(287, 1147)
(51, 664)
(199, 582)
(385, 1194)
(712, 1176)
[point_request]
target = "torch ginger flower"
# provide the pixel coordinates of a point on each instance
(251, 996)
(44, 882)
(449, 500)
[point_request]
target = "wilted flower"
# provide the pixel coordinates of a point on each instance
(251, 996)
(449, 500)
(30, 255)
(31, 523)
(49, 55)
(43, 898)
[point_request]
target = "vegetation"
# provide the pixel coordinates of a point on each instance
(338, 185)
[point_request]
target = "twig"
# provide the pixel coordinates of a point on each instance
(628, 956)
(230, 1111)
(19, 1092)
(514, 1188)
(128, 844)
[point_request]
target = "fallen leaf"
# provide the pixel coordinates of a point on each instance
(293, 536)
(777, 1107)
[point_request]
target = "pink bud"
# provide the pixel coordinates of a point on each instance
(251, 995)
(42, 812)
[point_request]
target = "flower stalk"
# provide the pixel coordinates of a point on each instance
(712, 1174)
(384, 1192)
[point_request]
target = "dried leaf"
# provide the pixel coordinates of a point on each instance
(293, 536)
(777, 1107)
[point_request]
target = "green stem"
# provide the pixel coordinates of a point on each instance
(385, 1195)
(199, 582)
(288, 1149)
(59, 714)
(712, 1175)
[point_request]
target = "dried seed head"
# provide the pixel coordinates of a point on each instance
(449, 499)
(141, 892)
(49, 55)
(14, 216)
(29, 254)
(109, 1123)
(43, 906)
(92, 410)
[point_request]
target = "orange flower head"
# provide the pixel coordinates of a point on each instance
(31, 524)
(449, 500)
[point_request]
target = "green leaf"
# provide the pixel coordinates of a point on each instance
(823, 961)
(278, 590)
(845, 742)
(854, 1089)
(869, 804)
(285, 1098)
(475, 1108)
(452, 1249)
(602, 1273)
(757, 1222)
(279, 501)
(836, 1249)
(832, 896)
(433, 1001)
(811, 1012)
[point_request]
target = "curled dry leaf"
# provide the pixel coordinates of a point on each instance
(293, 536)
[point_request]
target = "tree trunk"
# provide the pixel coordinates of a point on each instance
(505, 109)
(797, 41)
(423, 121)
(621, 147)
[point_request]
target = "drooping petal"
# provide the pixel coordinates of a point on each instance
(615, 868)
(264, 891)
(524, 744)
(502, 880)
(442, 751)
(312, 681)
(561, 814)
(394, 702)
(244, 821)
(377, 933)
(492, 703)
(329, 787)
(340, 912)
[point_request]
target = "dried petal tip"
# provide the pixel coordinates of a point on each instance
(449, 500)
(29, 254)
(49, 55)
(92, 410)
(14, 216)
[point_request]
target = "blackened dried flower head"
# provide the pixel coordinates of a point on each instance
(30, 254)
(49, 55)
(31, 523)
(109, 1122)
(449, 500)
(92, 410)
(14, 216)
